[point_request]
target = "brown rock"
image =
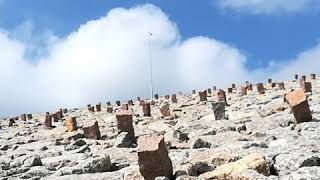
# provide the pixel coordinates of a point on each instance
(23, 117)
(125, 123)
(209, 91)
(233, 86)
(118, 103)
(222, 96)
(269, 80)
(249, 87)
(174, 98)
(167, 97)
(203, 96)
(130, 103)
(11, 122)
(71, 123)
(229, 90)
(231, 170)
(243, 90)
(146, 108)
(304, 77)
(108, 103)
(296, 77)
(138, 98)
(92, 132)
(273, 84)
(281, 86)
(109, 109)
(55, 116)
(260, 88)
(48, 121)
(156, 96)
(125, 107)
(29, 116)
(165, 109)
(313, 76)
(214, 88)
(98, 107)
(305, 85)
(65, 110)
(299, 105)
(91, 109)
(193, 91)
(153, 157)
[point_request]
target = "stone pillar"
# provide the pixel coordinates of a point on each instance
(91, 109)
(138, 98)
(130, 103)
(214, 88)
(249, 87)
(193, 91)
(229, 90)
(307, 86)
(281, 86)
(65, 110)
(92, 132)
(299, 105)
(209, 91)
(29, 116)
(156, 96)
(146, 108)
(16, 118)
(125, 123)
(313, 76)
(219, 110)
(296, 77)
(71, 123)
(167, 97)
(55, 116)
(260, 88)
(269, 80)
(48, 121)
(304, 77)
(174, 98)
(124, 107)
(153, 157)
(108, 103)
(233, 86)
(109, 109)
(165, 109)
(11, 122)
(243, 90)
(203, 96)
(273, 84)
(118, 103)
(98, 107)
(23, 117)
(222, 96)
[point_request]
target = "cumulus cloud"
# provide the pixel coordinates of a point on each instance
(107, 59)
(269, 6)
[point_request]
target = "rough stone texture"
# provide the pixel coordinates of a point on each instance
(118, 103)
(71, 123)
(299, 105)
(29, 116)
(23, 117)
(219, 110)
(153, 157)
(48, 121)
(231, 170)
(165, 109)
(110, 109)
(91, 109)
(281, 86)
(230, 90)
(222, 96)
(243, 90)
(174, 98)
(146, 108)
(125, 123)
(98, 107)
(92, 132)
(260, 88)
(203, 96)
(312, 76)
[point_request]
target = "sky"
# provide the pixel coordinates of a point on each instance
(65, 54)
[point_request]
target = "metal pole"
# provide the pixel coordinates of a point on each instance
(150, 63)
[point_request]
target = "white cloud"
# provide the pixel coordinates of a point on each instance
(269, 6)
(107, 59)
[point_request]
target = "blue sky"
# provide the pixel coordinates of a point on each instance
(70, 53)
(261, 37)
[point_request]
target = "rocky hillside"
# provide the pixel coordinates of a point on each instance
(245, 133)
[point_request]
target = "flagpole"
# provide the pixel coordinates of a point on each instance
(150, 63)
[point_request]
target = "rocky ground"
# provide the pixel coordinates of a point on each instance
(257, 140)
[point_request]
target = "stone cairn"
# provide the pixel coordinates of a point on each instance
(92, 132)
(153, 157)
(298, 102)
